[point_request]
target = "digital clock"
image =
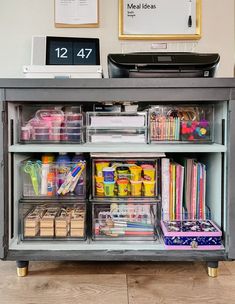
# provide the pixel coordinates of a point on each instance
(72, 51)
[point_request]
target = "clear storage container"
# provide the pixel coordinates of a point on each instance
(124, 221)
(50, 180)
(55, 221)
(186, 123)
(122, 127)
(124, 177)
(52, 124)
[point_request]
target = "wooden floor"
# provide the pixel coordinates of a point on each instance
(116, 283)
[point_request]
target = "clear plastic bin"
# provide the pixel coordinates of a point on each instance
(52, 180)
(122, 127)
(45, 124)
(124, 221)
(52, 221)
(187, 123)
(125, 178)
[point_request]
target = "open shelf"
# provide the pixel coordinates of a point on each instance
(106, 148)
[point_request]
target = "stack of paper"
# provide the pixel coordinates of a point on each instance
(183, 190)
(195, 189)
(172, 189)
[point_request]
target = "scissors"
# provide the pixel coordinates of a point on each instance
(33, 169)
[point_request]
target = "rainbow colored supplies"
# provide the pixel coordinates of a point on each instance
(181, 123)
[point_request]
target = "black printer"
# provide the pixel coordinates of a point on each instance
(162, 65)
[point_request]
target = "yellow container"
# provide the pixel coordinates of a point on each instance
(135, 173)
(109, 188)
(149, 174)
(100, 166)
(99, 185)
(123, 187)
(149, 188)
(136, 187)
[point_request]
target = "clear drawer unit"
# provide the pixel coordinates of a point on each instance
(116, 127)
(52, 221)
(50, 124)
(131, 189)
(124, 221)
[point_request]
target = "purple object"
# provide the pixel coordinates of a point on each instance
(194, 234)
(108, 173)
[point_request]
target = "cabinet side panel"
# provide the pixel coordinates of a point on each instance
(2, 166)
(231, 181)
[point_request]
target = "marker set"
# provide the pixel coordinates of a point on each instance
(124, 221)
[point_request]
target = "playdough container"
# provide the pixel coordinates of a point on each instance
(136, 187)
(100, 166)
(123, 187)
(149, 174)
(122, 171)
(149, 188)
(99, 185)
(108, 174)
(136, 173)
(109, 188)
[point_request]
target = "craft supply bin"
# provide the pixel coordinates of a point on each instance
(50, 124)
(116, 175)
(118, 127)
(52, 221)
(53, 180)
(218, 156)
(124, 221)
(185, 123)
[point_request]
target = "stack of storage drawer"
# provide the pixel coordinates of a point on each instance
(124, 196)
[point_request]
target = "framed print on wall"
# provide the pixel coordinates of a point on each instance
(160, 19)
(76, 13)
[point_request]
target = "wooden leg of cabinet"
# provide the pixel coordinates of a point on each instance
(22, 268)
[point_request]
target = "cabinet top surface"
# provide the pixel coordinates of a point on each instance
(12, 83)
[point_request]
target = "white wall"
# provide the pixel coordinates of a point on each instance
(20, 19)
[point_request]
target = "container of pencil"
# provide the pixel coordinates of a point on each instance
(186, 123)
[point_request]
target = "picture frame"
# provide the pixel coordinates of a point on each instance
(66, 21)
(176, 19)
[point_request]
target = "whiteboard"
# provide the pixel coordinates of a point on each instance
(160, 19)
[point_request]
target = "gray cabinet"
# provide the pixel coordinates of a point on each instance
(220, 157)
